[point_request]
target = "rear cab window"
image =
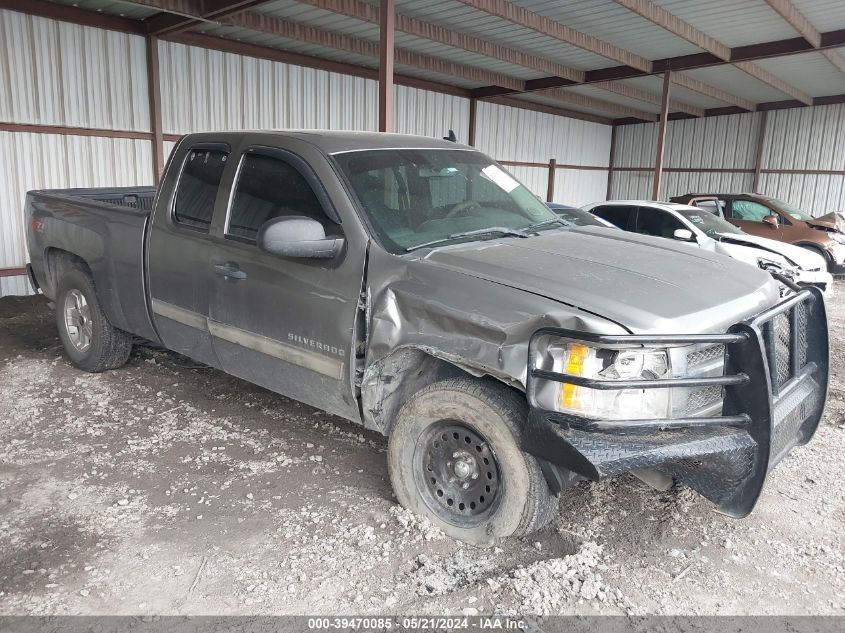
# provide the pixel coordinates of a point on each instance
(196, 191)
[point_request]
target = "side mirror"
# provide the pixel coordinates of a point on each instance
(297, 236)
(684, 235)
(772, 221)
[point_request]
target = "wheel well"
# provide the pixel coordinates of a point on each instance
(56, 263)
(388, 383)
(813, 247)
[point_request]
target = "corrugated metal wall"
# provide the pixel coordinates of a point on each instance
(709, 143)
(795, 139)
(807, 139)
(513, 134)
(206, 90)
(55, 73)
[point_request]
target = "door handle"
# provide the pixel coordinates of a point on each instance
(230, 271)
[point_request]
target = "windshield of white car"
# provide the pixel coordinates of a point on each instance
(709, 224)
(416, 197)
(578, 217)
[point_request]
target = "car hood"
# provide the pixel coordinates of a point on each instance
(831, 221)
(796, 255)
(643, 283)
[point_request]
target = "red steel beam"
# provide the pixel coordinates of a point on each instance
(751, 52)
(154, 90)
(758, 157)
(473, 122)
(67, 130)
(298, 59)
(387, 26)
(761, 107)
(661, 135)
(206, 11)
(610, 162)
(75, 15)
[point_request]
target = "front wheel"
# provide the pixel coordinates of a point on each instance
(90, 340)
(828, 259)
(454, 458)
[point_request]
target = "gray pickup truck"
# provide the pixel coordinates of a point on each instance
(413, 286)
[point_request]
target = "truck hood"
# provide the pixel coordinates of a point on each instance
(643, 283)
(763, 247)
(832, 221)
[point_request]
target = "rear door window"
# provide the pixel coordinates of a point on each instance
(617, 215)
(716, 207)
(197, 188)
(656, 222)
(269, 188)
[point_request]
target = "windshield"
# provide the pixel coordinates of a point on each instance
(794, 213)
(578, 217)
(710, 224)
(415, 197)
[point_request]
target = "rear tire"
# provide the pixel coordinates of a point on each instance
(91, 342)
(454, 458)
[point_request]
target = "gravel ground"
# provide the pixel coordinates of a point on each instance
(168, 488)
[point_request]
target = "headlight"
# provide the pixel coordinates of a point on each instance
(773, 266)
(577, 359)
(839, 238)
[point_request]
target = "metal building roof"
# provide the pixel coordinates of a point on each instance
(596, 40)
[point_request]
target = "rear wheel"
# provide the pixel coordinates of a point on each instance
(454, 458)
(91, 342)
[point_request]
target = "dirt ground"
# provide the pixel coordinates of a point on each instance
(168, 488)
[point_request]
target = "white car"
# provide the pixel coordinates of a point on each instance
(704, 230)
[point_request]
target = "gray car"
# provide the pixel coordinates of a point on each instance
(413, 286)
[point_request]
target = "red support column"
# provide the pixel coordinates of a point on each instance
(154, 89)
(761, 143)
(387, 19)
(610, 163)
(473, 112)
(661, 135)
(550, 190)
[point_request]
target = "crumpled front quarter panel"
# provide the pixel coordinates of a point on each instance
(481, 326)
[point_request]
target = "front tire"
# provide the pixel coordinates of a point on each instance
(454, 458)
(92, 343)
(828, 260)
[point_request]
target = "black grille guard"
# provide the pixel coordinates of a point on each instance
(775, 386)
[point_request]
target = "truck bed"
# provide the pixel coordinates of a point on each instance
(105, 228)
(138, 199)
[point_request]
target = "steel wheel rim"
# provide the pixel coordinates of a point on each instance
(80, 328)
(457, 474)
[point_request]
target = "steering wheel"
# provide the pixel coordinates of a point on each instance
(459, 208)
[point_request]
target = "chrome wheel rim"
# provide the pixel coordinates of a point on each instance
(80, 329)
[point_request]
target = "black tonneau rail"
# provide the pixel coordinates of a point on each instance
(775, 386)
